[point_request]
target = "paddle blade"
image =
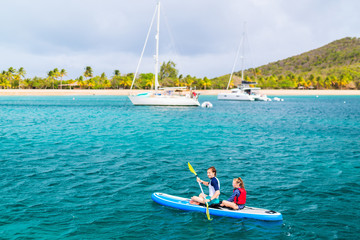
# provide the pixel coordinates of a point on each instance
(207, 212)
(191, 169)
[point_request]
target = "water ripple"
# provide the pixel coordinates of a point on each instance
(86, 169)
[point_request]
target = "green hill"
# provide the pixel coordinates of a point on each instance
(335, 65)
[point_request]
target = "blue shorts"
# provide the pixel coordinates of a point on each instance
(214, 201)
(241, 206)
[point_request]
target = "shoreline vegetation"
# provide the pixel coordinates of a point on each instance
(124, 92)
(335, 66)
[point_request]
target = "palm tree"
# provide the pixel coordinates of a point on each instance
(117, 73)
(90, 83)
(205, 82)
(177, 82)
(300, 81)
(103, 80)
(4, 82)
(10, 74)
(208, 82)
(126, 81)
(188, 81)
(149, 83)
(343, 81)
(56, 73)
(27, 83)
(318, 82)
(21, 73)
(334, 81)
(81, 82)
(51, 76)
(115, 79)
(88, 72)
(62, 74)
(326, 82)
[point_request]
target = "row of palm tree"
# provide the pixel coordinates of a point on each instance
(55, 74)
(292, 81)
(15, 78)
(12, 77)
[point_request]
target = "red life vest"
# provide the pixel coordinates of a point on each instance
(242, 198)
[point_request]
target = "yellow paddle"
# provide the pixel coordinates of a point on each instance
(207, 205)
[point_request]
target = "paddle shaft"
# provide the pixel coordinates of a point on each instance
(202, 190)
(207, 205)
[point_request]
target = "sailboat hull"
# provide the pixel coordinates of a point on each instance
(163, 100)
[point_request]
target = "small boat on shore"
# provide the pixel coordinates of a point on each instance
(247, 212)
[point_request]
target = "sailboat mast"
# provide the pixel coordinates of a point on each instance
(243, 54)
(157, 48)
(236, 58)
(143, 50)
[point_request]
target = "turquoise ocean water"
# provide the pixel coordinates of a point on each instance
(76, 167)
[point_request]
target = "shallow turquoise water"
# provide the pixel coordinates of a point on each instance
(85, 167)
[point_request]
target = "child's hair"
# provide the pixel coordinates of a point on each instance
(240, 182)
(213, 169)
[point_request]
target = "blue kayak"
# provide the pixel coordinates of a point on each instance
(247, 212)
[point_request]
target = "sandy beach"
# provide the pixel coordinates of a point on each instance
(78, 92)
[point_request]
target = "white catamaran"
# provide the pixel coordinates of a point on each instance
(244, 92)
(167, 96)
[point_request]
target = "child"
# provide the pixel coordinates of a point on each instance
(238, 198)
(214, 189)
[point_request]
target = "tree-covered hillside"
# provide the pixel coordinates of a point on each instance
(335, 65)
(341, 53)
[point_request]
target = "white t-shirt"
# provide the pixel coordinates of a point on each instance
(214, 185)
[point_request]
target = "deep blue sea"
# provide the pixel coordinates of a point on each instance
(84, 167)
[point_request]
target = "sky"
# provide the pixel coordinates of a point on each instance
(200, 36)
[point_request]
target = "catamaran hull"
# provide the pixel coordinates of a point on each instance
(235, 97)
(247, 212)
(163, 101)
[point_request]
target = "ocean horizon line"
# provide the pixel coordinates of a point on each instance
(122, 92)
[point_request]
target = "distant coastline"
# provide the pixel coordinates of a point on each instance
(111, 92)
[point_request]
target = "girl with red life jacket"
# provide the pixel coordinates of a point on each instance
(238, 198)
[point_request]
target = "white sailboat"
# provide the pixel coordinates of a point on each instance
(244, 92)
(167, 96)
